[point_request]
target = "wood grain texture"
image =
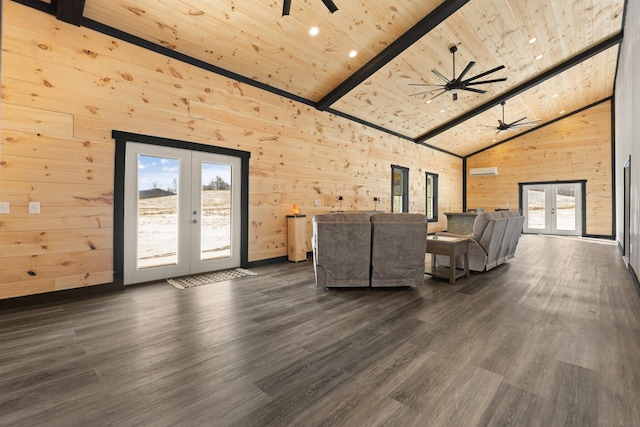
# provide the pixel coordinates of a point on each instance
(65, 88)
(255, 41)
(553, 153)
(546, 339)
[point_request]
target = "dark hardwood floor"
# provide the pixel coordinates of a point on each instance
(552, 338)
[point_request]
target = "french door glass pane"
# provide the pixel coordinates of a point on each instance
(565, 208)
(157, 211)
(215, 230)
(536, 212)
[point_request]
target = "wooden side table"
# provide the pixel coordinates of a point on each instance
(451, 247)
(297, 237)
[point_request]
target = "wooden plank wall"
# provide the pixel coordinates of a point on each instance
(575, 148)
(64, 89)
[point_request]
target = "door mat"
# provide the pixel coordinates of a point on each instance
(185, 282)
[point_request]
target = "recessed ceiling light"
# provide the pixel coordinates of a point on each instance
(555, 95)
(539, 57)
(429, 101)
(353, 54)
(494, 140)
(442, 111)
(562, 112)
(314, 31)
(532, 40)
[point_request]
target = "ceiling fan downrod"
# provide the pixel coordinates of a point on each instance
(286, 6)
(453, 49)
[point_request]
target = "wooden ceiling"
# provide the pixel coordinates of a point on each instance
(571, 65)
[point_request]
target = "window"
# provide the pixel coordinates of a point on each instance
(432, 197)
(399, 189)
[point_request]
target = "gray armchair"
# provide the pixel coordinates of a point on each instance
(493, 242)
(341, 245)
(398, 246)
(515, 222)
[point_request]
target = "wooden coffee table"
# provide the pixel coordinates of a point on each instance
(451, 247)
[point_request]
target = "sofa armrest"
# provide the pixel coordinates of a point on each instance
(476, 253)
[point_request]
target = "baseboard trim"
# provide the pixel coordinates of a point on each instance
(599, 236)
(268, 261)
(634, 276)
(57, 296)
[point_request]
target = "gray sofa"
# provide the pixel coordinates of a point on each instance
(493, 241)
(341, 244)
(355, 249)
(398, 246)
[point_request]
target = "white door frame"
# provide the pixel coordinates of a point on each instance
(122, 139)
(551, 225)
(198, 265)
(189, 204)
(132, 272)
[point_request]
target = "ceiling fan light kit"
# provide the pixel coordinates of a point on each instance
(457, 84)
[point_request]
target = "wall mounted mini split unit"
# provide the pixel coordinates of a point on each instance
(492, 171)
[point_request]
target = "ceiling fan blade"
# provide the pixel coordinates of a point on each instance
(446, 80)
(330, 5)
(504, 79)
(426, 91)
(471, 89)
(286, 7)
(519, 120)
(434, 97)
(526, 124)
(485, 73)
(466, 70)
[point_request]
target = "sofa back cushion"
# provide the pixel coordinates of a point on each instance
(399, 242)
(482, 221)
(343, 217)
(342, 249)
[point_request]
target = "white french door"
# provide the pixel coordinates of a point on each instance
(181, 212)
(553, 208)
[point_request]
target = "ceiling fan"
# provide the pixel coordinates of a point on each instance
(502, 125)
(286, 6)
(458, 83)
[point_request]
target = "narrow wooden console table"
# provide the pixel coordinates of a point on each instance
(451, 247)
(297, 237)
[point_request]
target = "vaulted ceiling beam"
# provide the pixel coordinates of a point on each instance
(600, 47)
(426, 24)
(69, 10)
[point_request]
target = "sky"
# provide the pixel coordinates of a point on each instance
(163, 171)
